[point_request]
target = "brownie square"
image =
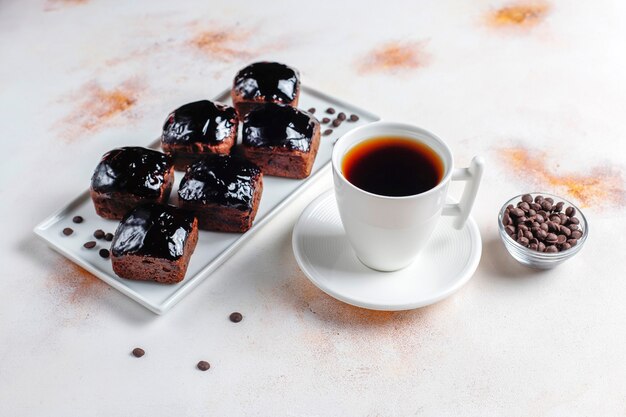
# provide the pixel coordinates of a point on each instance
(265, 82)
(197, 129)
(154, 242)
(223, 191)
(282, 140)
(129, 176)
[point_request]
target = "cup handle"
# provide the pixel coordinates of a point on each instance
(472, 175)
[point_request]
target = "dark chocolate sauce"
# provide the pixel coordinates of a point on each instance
(268, 80)
(154, 230)
(226, 180)
(134, 170)
(276, 125)
(201, 121)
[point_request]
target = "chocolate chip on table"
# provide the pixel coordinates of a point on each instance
(68, 231)
(330, 110)
(104, 253)
(327, 132)
(138, 352)
(108, 237)
(311, 110)
(336, 123)
(77, 219)
(353, 118)
(325, 120)
(235, 317)
(99, 234)
(203, 366)
(542, 225)
(341, 116)
(90, 245)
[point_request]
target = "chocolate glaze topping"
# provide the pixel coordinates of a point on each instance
(268, 80)
(131, 169)
(154, 230)
(276, 125)
(201, 121)
(226, 180)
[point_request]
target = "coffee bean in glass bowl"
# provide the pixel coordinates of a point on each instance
(538, 229)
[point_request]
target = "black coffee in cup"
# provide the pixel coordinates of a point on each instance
(393, 166)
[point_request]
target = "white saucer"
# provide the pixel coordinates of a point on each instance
(326, 257)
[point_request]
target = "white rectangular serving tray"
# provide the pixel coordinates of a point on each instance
(213, 247)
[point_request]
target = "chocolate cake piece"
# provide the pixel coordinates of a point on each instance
(223, 191)
(282, 140)
(154, 242)
(197, 129)
(265, 82)
(129, 176)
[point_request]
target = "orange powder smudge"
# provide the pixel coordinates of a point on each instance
(52, 5)
(329, 327)
(602, 186)
(98, 107)
(307, 297)
(394, 57)
(71, 283)
(222, 44)
(518, 15)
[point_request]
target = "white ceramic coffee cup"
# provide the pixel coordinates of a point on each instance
(387, 233)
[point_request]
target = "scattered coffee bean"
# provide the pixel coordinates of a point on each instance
(104, 253)
(327, 132)
(325, 120)
(138, 352)
(203, 366)
(108, 237)
(541, 224)
(336, 123)
(353, 118)
(90, 245)
(341, 116)
(312, 110)
(330, 110)
(236, 317)
(68, 231)
(99, 234)
(77, 219)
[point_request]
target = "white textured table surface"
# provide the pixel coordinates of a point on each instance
(539, 91)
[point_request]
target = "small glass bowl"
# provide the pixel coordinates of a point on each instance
(533, 258)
